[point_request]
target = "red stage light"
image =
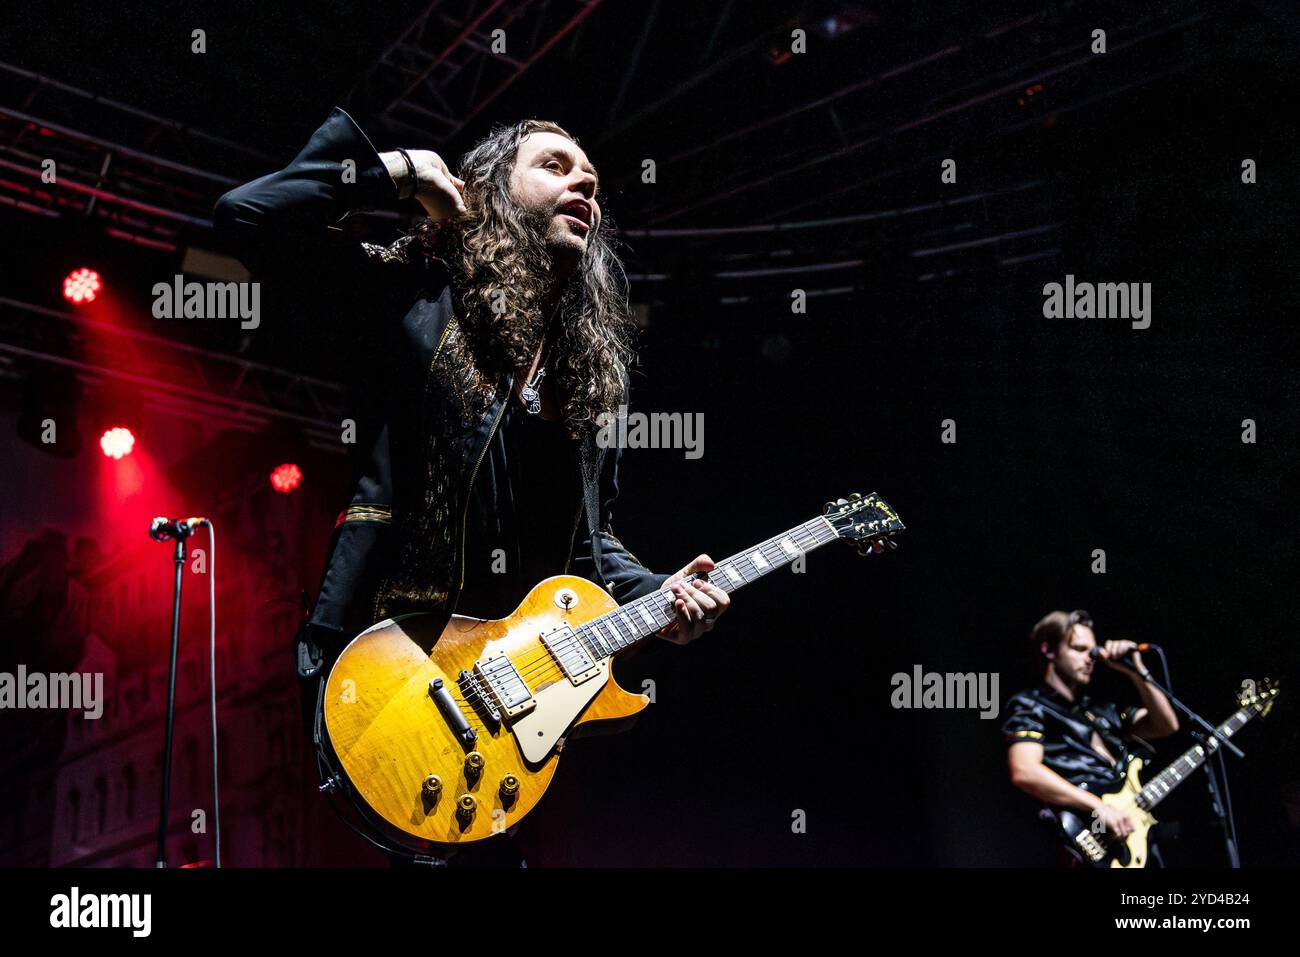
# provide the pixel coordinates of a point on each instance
(81, 285)
(117, 442)
(285, 478)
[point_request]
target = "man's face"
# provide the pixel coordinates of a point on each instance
(554, 179)
(1072, 661)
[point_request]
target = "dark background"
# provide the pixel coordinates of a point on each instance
(1072, 434)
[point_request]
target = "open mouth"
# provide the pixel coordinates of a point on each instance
(577, 213)
(577, 222)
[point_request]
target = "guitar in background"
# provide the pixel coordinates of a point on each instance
(1138, 801)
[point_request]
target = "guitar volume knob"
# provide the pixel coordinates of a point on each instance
(473, 765)
(432, 786)
(509, 788)
(465, 808)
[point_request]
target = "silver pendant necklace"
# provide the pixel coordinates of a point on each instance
(530, 394)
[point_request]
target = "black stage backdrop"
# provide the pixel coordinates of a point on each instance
(1072, 435)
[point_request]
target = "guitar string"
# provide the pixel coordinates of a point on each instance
(538, 667)
(670, 600)
(541, 667)
(1149, 788)
(633, 610)
(543, 664)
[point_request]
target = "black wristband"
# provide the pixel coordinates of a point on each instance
(414, 185)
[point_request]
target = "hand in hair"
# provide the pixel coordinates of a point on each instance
(436, 188)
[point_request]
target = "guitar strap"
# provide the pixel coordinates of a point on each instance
(1065, 717)
(590, 458)
(1083, 718)
(1104, 735)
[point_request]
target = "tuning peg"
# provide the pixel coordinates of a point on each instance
(875, 546)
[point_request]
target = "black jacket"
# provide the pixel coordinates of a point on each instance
(425, 412)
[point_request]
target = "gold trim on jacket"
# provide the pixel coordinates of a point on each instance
(365, 512)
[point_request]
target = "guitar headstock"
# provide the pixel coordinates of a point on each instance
(1259, 697)
(866, 521)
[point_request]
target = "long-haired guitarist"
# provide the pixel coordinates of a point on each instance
(491, 343)
(1065, 748)
(504, 308)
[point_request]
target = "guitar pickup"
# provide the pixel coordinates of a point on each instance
(570, 654)
(505, 685)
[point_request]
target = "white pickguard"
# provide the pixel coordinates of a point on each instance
(558, 705)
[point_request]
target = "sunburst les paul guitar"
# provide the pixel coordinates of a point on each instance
(447, 731)
(1098, 849)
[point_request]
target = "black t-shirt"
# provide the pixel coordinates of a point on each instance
(1064, 729)
(523, 507)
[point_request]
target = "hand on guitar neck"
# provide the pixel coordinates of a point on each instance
(699, 603)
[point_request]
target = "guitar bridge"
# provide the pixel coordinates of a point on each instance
(473, 692)
(1090, 846)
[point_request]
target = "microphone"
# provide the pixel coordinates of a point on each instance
(161, 528)
(1142, 646)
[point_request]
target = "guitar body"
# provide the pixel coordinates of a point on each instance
(389, 732)
(1100, 850)
(446, 730)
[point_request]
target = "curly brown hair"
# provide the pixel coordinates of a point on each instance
(498, 263)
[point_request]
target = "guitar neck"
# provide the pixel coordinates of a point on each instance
(628, 624)
(1159, 787)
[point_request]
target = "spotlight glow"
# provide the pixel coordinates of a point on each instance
(285, 478)
(81, 286)
(117, 442)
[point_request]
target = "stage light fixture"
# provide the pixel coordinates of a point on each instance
(82, 286)
(117, 442)
(285, 478)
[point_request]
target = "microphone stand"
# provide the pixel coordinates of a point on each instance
(179, 559)
(1212, 778)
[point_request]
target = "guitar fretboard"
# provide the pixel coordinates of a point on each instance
(628, 624)
(1159, 787)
